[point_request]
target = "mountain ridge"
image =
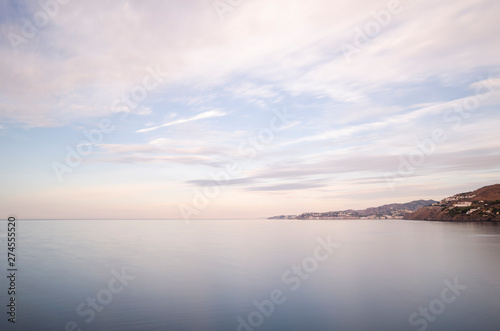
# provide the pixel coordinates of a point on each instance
(388, 211)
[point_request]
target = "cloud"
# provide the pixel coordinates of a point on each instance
(166, 151)
(355, 118)
(285, 187)
(252, 90)
(211, 183)
(166, 146)
(204, 115)
(191, 160)
(71, 71)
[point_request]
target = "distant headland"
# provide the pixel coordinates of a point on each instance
(482, 205)
(392, 211)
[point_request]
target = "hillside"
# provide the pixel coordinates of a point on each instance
(480, 205)
(391, 211)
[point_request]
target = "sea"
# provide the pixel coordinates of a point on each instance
(245, 275)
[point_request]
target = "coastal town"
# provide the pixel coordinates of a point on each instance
(391, 211)
(480, 205)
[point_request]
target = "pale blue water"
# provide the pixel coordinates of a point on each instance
(206, 274)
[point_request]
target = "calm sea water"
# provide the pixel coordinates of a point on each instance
(254, 275)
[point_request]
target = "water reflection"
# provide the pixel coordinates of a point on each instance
(205, 275)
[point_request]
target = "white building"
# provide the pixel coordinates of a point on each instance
(463, 204)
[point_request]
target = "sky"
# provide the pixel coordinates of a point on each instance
(205, 109)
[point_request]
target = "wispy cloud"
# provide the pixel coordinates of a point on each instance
(204, 115)
(354, 120)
